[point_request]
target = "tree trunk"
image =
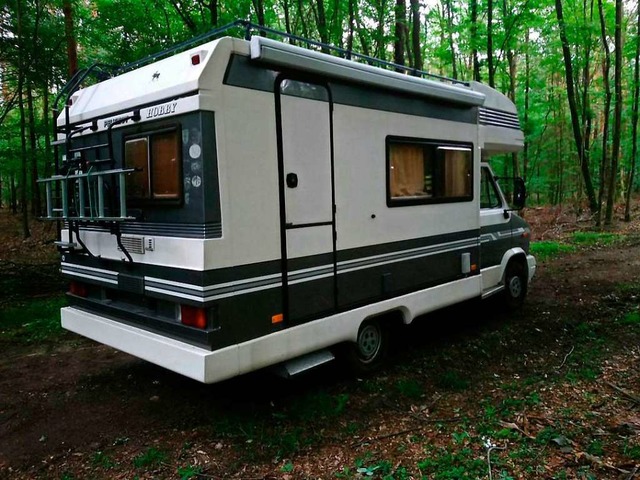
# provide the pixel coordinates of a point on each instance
(575, 123)
(213, 12)
(72, 47)
(527, 89)
(33, 155)
(47, 130)
(634, 122)
(321, 22)
(415, 34)
(400, 21)
(454, 68)
(23, 140)
(617, 116)
(474, 40)
(14, 194)
(352, 22)
(492, 82)
(606, 67)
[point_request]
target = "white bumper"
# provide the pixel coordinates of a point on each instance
(169, 353)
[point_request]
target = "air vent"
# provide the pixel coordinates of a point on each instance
(133, 244)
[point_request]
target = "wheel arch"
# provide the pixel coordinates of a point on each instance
(515, 254)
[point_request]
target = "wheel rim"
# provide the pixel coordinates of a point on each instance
(515, 286)
(369, 342)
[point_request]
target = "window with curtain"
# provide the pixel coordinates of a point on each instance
(424, 171)
(156, 159)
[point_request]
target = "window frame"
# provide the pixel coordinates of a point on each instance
(494, 186)
(148, 134)
(393, 202)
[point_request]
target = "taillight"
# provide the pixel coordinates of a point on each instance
(193, 316)
(78, 289)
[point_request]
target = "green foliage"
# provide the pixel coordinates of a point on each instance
(189, 472)
(37, 320)
(149, 458)
(631, 318)
(442, 464)
(452, 380)
(596, 238)
(287, 467)
(409, 388)
(102, 460)
(546, 249)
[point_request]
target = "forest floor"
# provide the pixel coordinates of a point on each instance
(551, 391)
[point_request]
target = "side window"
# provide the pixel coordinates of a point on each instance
(156, 158)
(420, 172)
(489, 197)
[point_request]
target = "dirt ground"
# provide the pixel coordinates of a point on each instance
(551, 391)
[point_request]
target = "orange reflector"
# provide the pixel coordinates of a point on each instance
(474, 267)
(193, 316)
(526, 235)
(79, 289)
(277, 318)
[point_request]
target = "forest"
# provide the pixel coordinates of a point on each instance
(570, 66)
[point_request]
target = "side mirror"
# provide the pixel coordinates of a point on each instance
(519, 193)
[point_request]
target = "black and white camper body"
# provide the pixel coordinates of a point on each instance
(249, 202)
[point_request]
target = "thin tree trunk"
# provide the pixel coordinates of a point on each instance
(449, 7)
(527, 89)
(606, 67)
(33, 157)
(634, 122)
(321, 22)
(575, 123)
(14, 194)
(492, 82)
(400, 21)
(415, 34)
(474, 40)
(72, 47)
(617, 116)
(47, 130)
(352, 21)
(23, 140)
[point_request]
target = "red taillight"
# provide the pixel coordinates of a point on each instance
(193, 316)
(79, 289)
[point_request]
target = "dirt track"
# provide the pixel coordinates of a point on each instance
(82, 410)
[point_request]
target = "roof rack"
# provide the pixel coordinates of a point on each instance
(249, 29)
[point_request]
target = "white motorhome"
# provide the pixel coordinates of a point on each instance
(247, 203)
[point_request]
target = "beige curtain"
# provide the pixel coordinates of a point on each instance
(407, 170)
(457, 173)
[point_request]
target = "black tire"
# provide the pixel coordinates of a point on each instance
(368, 353)
(515, 285)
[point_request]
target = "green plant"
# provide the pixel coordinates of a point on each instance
(596, 238)
(461, 465)
(151, 457)
(189, 472)
(595, 448)
(452, 381)
(287, 467)
(35, 321)
(103, 460)
(409, 388)
(546, 249)
(631, 318)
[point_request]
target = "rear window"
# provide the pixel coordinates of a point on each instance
(156, 158)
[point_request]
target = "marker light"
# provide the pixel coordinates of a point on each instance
(195, 59)
(193, 316)
(78, 289)
(277, 318)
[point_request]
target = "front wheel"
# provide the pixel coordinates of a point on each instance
(367, 354)
(515, 285)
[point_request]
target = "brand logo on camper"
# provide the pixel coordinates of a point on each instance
(161, 110)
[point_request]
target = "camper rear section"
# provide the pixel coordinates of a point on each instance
(244, 203)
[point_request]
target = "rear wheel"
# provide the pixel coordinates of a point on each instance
(367, 354)
(515, 284)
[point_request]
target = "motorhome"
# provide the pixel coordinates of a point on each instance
(247, 202)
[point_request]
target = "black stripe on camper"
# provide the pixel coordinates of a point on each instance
(241, 72)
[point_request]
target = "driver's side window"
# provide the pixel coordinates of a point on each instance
(489, 197)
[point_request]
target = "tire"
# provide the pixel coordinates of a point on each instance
(515, 285)
(368, 352)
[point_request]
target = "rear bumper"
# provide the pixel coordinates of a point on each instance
(174, 355)
(531, 264)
